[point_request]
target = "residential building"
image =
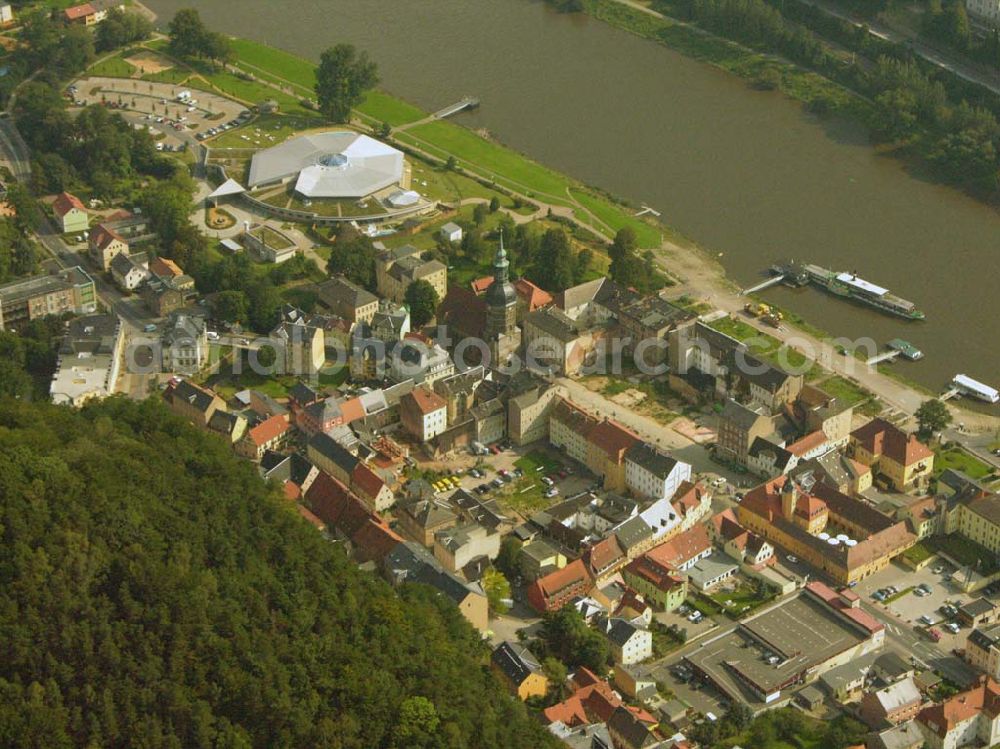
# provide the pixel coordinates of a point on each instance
(894, 704)
(270, 434)
(396, 269)
(684, 550)
(538, 558)
(422, 518)
(530, 298)
(165, 268)
(456, 547)
(987, 11)
(556, 589)
(982, 650)
(553, 342)
(92, 12)
(904, 461)
(89, 360)
(70, 214)
(161, 296)
(767, 460)
(979, 612)
(128, 272)
(184, 344)
(815, 409)
(424, 413)
(409, 562)
(421, 361)
(604, 558)
(528, 408)
(104, 244)
(68, 291)
(194, 403)
(300, 346)
(657, 581)
(519, 669)
(648, 322)
(629, 644)
(348, 300)
(6, 14)
(978, 519)
(652, 474)
(629, 732)
(327, 454)
(969, 718)
(739, 427)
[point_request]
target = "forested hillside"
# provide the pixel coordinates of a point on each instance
(156, 593)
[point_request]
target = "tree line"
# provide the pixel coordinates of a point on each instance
(157, 593)
(947, 123)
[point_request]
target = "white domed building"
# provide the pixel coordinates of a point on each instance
(338, 164)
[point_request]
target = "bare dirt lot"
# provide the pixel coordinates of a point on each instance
(147, 63)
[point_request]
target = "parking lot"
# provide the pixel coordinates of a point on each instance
(157, 105)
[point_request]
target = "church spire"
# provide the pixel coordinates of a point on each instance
(500, 262)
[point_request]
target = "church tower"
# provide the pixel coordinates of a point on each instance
(501, 299)
(501, 331)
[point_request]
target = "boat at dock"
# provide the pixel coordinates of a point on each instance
(905, 349)
(847, 285)
(974, 388)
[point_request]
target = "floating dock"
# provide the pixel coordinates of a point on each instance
(847, 285)
(905, 349)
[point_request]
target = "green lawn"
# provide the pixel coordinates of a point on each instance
(490, 160)
(764, 346)
(112, 67)
(382, 107)
(844, 389)
(615, 217)
(289, 67)
(967, 553)
(918, 553)
(272, 238)
(251, 92)
(959, 460)
(742, 601)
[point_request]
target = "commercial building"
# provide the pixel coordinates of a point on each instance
(89, 360)
(788, 644)
(68, 291)
(840, 535)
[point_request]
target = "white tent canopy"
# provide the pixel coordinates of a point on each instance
(227, 188)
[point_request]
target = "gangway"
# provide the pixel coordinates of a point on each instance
(773, 281)
(884, 356)
(468, 102)
(949, 394)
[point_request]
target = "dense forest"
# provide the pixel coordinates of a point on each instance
(158, 594)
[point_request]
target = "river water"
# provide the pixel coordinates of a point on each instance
(745, 173)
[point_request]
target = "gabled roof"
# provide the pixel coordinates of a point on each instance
(810, 442)
(65, 202)
(682, 548)
(164, 266)
(515, 661)
(533, 296)
(880, 437)
(944, 717)
(424, 400)
(103, 235)
(366, 481)
(268, 430)
(612, 438)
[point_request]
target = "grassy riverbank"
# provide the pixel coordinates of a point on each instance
(793, 80)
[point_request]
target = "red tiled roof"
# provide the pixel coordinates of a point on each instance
(162, 266)
(426, 400)
(655, 573)
(79, 11)
(291, 490)
(942, 718)
(879, 437)
(533, 296)
(603, 555)
(726, 525)
(681, 548)
(365, 480)
(612, 438)
(304, 512)
(269, 430)
(351, 410)
(688, 497)
(810, 442)
(574, 576)
(65, 202)
(480, 285)
(341, 510)
(102, 236)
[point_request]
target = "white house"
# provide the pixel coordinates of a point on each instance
(629, 643)
(424, 413)
(129, 271)
(652, 474)
(451, 232)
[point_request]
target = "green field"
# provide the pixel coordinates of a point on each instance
(959, 460)
(844, 389)
(112, 67)
(490, 160)
(615, 217)
(275, 62)
(382, 107)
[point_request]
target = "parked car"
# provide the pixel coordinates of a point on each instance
(547, 481)
(926, 619)
(552, 492)
(879, 596)
(792, 558)
(952, 627)
(934, 634)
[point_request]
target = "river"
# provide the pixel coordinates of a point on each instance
(746, 173)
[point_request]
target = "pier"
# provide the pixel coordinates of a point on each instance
(949, 394)
(646, 209)
(468, 102)
(773, 281)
